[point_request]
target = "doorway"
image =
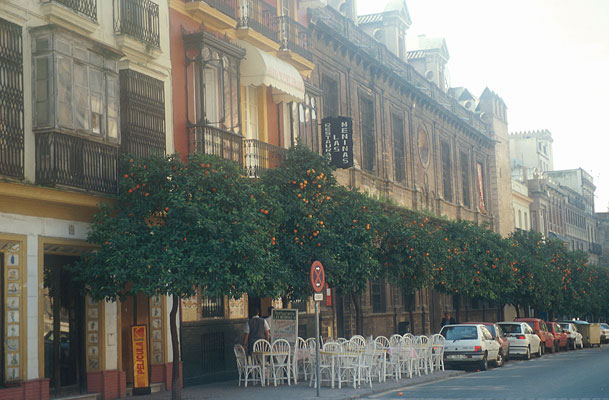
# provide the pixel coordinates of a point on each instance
(64, 319)
(134, 311)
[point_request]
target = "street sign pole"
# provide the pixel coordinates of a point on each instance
(318, 282)
(317, 343)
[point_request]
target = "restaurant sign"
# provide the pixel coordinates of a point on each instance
(284, 325)
(338, 141)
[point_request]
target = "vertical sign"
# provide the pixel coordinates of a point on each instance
(480, 189)
(285, 325)
(338, 141)
(139, 348)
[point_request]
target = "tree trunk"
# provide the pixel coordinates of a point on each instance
(359, 326)
(176, 387)
(458, 310)
(517, 310)
(466, 310)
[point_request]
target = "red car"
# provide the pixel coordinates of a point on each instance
(541, 329)
(561, 338)
(499, 336)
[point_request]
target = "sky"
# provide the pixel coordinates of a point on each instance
(547, 59)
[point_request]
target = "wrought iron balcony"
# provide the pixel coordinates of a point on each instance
(207, 139)
(295, 37)
(77, 162)
(260, 156)
(227, 7)
(139, 19)
(259, 16)
(85, 7)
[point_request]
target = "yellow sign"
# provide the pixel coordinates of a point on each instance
(139, 346)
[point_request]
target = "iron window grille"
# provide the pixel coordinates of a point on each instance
(377, 295)
(142, 114)
(212, 349)
(212, 306)
(11, 100)
(330, 96)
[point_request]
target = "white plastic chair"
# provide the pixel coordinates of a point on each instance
(359, 341)
(246, 369)
(325, 364)
(366, 364)
(381, 357)
(437, 360)
(280, 360)
(299, 356)
(262, 346)
(422, 346)
(395, 340)
(407, 356)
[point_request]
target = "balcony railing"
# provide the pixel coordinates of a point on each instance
(260, 156)
(139, 19)
(77, 162)
(86, 7)
(227, 7)
(261, 17)
(295, 37)
(207, 139)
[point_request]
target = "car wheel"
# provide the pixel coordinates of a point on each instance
(540, 351)
(499, 361)
(542, 346)
(484, 363)
(551, 348)
(527, 355)
(556, 348)
(573, 345)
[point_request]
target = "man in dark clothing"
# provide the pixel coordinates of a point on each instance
(256, 328)
(447, 320)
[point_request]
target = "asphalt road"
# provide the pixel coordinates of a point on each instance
(581, 374)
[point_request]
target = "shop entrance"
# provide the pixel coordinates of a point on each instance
(134, 311)
(64, 319)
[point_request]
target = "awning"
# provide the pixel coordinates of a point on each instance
(260, 68)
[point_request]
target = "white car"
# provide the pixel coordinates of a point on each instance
(604, 332)
(576, 340)
(470, 343)
(522, 339)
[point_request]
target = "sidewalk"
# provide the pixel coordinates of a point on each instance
(302, 391)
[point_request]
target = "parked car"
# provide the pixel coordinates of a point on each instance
(499, 336)
(470, 344)
(561, 338)
(540, 328)
(604, 332)
(575, 338)
(522, 339)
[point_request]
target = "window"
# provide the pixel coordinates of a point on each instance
(212, 306)
(465, 181)
(481, 188)
(250, 114)
(142, 114)
(330, 96)
(305, 123)
(11, 100)
(447, 179)
(212, 79)
(399, 148)
(377, 295)
(74, 88)
(368, 142)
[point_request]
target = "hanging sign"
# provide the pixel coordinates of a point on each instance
(338, 141)
(139, 349)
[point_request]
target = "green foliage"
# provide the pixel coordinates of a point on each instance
(175, 227)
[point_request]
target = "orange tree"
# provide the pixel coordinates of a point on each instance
(175, 229)
(471, 262)
(405, 252)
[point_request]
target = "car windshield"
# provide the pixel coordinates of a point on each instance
(511, 328)
(460, 332)
(491, 329)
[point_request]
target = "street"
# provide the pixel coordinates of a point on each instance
(574, 374)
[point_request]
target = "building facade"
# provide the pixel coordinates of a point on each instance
(81, 82)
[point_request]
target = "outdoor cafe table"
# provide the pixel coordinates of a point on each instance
(263, 355)
(335, 357)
